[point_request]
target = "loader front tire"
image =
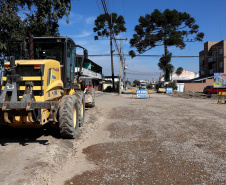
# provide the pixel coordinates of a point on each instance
(68, 117)
(81, 101)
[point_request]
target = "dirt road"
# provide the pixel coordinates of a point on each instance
(161, 140)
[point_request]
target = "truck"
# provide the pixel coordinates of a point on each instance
(142, 86)
(209, 90)
(39, 85)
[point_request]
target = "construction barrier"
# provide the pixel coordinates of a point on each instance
(141, 93)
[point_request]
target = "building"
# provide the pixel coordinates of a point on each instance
(184, 76)
(109, 78)
(186, 81)
(108, 81)
(213, 58)
(91, 74)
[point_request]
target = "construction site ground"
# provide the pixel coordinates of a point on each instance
(165, 139)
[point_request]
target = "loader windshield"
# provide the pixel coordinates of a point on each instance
(55, 50)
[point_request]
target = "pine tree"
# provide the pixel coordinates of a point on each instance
(168, 28)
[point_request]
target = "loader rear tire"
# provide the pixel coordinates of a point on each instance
(68, 117)
(81, 102)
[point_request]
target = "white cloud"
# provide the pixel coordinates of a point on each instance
(73, 18)
(94, 47)
(90, 20)
(83, 34)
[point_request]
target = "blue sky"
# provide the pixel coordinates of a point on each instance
(210, 16)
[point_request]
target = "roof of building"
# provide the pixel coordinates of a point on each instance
(92, 63)
(202, 78)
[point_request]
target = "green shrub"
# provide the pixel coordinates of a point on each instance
(173, 85)
(150, 86)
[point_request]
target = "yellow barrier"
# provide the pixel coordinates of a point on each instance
(220, 97)
(133, 92)
(149, 92)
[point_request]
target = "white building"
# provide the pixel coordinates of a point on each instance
(185, 75)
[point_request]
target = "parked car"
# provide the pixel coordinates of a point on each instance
(161, 90)
(209, 90)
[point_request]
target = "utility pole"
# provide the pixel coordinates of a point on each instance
(112, 66)
(124, 74)
(120, 75)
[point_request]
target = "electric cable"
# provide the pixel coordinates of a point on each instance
(98, 7)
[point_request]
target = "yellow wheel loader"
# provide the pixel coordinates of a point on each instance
(38, 85)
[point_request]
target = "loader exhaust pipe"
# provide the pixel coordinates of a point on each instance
(12, 61)
(31, 46)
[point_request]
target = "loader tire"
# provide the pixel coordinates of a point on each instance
(68, 117)
(81, 102)
(91, 91)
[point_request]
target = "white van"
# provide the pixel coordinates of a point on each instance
(143, 86)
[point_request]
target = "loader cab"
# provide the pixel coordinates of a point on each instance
(62, 49)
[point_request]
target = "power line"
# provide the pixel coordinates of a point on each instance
(108, 5)
(142, 72)
(106, 12)
(104, 6)
(116, 43)
(98, 6)
(124, 13)
(112, 36)
(173, 56)
(127, 55)
(124, 7)
(114, 5)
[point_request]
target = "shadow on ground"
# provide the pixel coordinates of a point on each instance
(24, 136)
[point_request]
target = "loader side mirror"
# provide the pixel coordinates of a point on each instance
(85, 53)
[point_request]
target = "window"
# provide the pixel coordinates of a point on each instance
(73, 62)
(54, 50)
(220, 51)
(221, 64)
(48, 77)
(69, 58)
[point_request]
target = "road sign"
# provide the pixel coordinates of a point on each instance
(169, 90)
(142, 93)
